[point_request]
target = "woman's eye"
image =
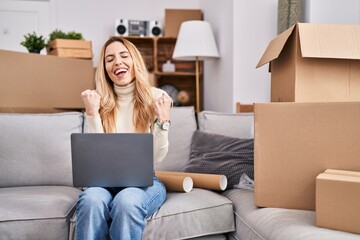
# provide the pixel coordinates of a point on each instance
(109, 59)
(125, 56)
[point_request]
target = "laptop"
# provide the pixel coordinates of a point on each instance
(112, 159)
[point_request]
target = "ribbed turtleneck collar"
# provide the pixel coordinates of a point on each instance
(125, 92)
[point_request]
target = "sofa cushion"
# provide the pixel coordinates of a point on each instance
(35, 148)
(189, 215)
(199, 214)
(211, 237)
(41, 212)
(218, 154)
(238, 125)
(207, 237)
(254, 223)
(183, 125)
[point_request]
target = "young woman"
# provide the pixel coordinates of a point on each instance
(125, 102)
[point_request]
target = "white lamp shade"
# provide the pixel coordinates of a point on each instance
(195, 39)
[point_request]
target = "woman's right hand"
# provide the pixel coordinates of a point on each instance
(91, 101)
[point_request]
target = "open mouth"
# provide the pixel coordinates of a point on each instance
(120, 71)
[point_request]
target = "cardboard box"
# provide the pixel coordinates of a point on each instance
(34, 81)
(35, 110)
(338, 200)
(315, 63)
(240, 107)
(294, 142)
(70, 48)
(174, 18)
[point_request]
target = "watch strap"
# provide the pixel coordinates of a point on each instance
(162, 125)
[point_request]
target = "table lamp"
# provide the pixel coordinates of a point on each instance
(195, 41)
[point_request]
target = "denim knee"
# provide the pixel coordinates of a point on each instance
(94, 197)
(128, 199)
(92, 214)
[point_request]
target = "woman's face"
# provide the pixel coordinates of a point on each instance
(118, 64)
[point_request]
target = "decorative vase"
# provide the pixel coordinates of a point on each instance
(168, 67)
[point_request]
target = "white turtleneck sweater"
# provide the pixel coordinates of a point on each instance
(124, 121)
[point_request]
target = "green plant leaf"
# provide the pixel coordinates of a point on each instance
(33, 41)
(57, 33)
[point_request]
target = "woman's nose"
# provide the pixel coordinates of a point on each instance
(118, 61)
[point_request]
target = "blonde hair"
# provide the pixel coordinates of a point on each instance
(143, 98)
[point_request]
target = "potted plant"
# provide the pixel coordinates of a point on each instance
(33, 42)
(70, 44)
(58, 34)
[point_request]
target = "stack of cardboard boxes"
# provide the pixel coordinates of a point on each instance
(307, 153)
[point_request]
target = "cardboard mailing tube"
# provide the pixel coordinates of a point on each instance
(201, 180)
(176, 183)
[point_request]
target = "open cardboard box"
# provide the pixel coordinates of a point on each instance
(338, 200)
(40, 83)
(315, 63)
(294, 142)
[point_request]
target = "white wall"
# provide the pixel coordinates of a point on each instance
(255, 25)
(95, 19)
(242, 32)
(331, 11)
(218, 75)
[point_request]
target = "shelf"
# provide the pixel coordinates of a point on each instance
(175, 74)
(156, 51)
(182, 83)
(145, 45)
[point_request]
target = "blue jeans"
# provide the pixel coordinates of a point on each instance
(120, 212)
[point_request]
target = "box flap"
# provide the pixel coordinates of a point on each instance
(343, 172)
(275, 47)
(338, 177)
(338, 41)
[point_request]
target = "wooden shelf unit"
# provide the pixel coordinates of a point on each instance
(156, 51)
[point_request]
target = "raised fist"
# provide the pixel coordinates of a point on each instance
(162, 107)
(91, 101)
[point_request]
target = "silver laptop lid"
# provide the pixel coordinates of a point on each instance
(112, 159)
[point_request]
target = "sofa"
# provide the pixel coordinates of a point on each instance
(38, 200)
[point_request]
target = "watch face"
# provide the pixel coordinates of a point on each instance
(166, 125)
(172, 91)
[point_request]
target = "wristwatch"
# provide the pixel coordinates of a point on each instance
(164, 126)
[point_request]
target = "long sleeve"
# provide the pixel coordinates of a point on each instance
(161, 140)
(93, 124)
(161, 144)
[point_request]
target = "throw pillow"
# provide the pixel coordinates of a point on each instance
(218, 154)
(242, 124)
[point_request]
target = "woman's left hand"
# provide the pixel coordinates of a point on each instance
(162, 108)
